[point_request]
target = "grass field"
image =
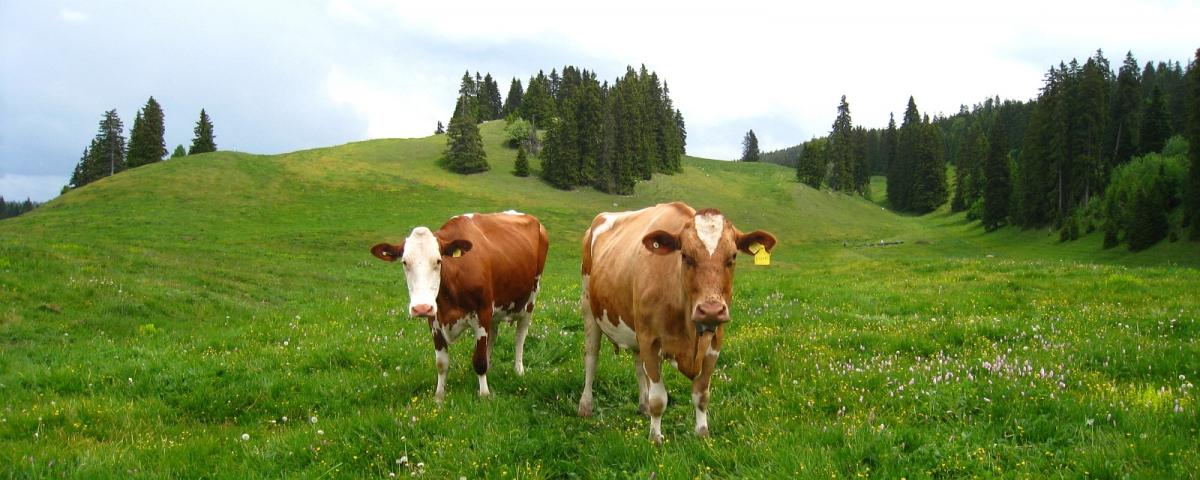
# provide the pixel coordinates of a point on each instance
(220, 316)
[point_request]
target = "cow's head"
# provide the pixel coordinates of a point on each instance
(708, 246)
(421, 253)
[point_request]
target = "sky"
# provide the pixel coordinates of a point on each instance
(277, 76)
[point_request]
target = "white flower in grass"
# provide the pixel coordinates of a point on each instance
(320, 432)
(245, 437)
(313, 420)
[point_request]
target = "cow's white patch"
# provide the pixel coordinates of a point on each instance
(710, 352)
(620, 334)
(452, 333)
(513, 212)
(609, 220)
(483, 388)
(469, 215)
(422, 270)
(709, 228)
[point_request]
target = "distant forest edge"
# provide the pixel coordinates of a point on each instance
(1096, 149)
(599, 135)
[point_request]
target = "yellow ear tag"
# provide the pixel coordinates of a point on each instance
(457, 253)
(761, 255)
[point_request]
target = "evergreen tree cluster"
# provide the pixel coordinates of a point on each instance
(1086, 123)
(601, 135)
(843, 161)
(916, 169)
(109, 154)
(16, 208)
(479, 98)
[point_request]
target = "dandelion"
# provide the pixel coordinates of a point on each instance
(285, 419)
(313, 420)
(402, 460)
(1090, 421)
(320, 432)
(245, 437)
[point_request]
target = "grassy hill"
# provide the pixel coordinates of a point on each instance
(151, 319)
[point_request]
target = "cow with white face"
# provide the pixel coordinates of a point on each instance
(659, 282)
(473, 272)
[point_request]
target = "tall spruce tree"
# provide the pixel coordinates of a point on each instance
(682, 132)
(1156, 122)
(840, 152)
(83, 170)
(899, 187)
(1192, 133)
(464, 147)
(750, 150)
(928, 182)
(1126, 108)
(512, 101)
(891, 137)
(146, 143)
(862, 160)
(205, 141)
(997, 184)
(110, 145)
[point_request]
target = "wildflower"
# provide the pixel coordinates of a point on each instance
(313, 420)
(320, 432)
(245, 437)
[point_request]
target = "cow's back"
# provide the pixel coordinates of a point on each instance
(624, 279)
(507, 257)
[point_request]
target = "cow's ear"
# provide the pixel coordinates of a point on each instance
(747, 240)
(660, 242)
(455, 248)
(388, 252)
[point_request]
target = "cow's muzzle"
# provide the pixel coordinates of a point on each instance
(422, 310)
(710, 314)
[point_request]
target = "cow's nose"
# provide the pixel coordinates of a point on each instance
(422, 310)
(711, 312)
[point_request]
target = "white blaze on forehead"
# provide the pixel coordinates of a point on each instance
(709, 227)
(421, 269)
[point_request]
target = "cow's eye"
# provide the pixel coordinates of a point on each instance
(404, 262)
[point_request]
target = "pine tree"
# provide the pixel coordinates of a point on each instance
(1126, 107)
(513, 100)
(110, 145)
(928, 181)
(464, 147)
(891, 137)
(810, 166)
(750, 147)
(1156, 123)
(682, 132)
(205, 141)
(82, 174)
(521, 165)
(1149, 222)
(997, 186)
(179, 152)
(440, 129)
(900, 176)
(1192, 190)
(556, 155)
(146, 143)
(841, 149)
(862, 161)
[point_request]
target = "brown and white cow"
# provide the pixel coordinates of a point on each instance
(659, 281)
(472, 273)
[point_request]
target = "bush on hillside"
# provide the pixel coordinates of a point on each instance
(1140, 199)
(516, 131)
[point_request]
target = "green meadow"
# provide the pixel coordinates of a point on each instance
(220, 316)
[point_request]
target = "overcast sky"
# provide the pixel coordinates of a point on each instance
(280, 76)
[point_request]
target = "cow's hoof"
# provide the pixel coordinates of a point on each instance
(702, 431)
(656, 438)
(485, 394)
(585, 409)
(520, 369)
(439, 399)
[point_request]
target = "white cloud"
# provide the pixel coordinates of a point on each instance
(393, 110)
(342, 10)
(72, 16)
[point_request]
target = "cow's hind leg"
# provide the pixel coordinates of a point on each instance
(523, 320)
(441, 355)
(591, 351)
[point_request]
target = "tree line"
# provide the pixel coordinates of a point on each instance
(16, 208)
(110, 154)
(1096, 149)
(607, 136)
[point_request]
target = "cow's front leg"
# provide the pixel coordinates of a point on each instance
(657, 395)
(441, 355)
(483, 348)
(702, 383)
